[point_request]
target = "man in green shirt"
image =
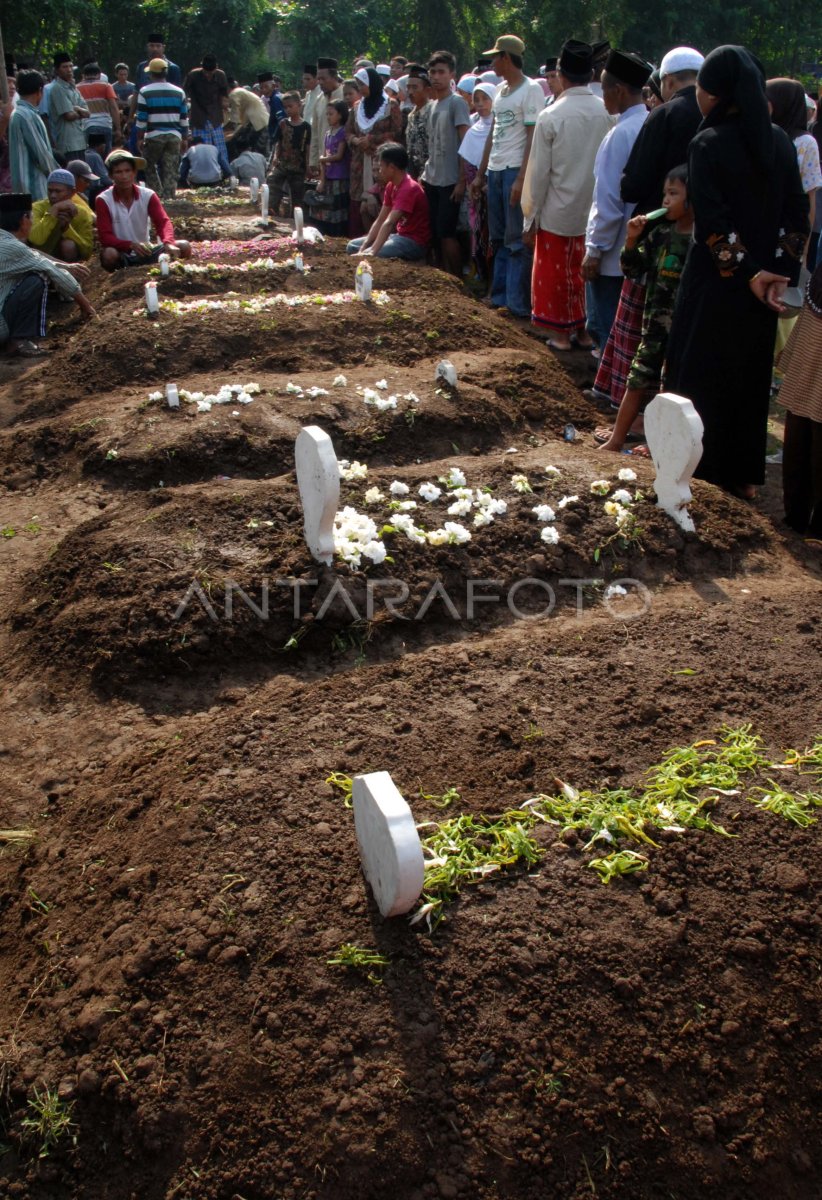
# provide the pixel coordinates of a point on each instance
(67, 111)
(62, 225)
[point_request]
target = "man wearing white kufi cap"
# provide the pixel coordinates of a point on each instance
(661, 145)
(664, 139)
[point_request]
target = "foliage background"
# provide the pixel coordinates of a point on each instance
(245, 34)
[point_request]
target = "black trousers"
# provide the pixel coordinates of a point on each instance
(802, 474)
(25, 309)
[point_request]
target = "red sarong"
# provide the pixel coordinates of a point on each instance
(557, 289)
(621, 346)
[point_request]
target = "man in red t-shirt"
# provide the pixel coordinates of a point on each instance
(401, 230)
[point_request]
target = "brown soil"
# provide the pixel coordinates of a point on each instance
(163, 959)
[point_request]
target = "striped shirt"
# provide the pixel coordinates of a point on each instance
(17, 260)
(30, 156)
(162, 108)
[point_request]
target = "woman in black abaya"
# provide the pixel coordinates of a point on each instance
(751, 223)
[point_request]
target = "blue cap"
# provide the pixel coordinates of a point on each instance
(61, 176)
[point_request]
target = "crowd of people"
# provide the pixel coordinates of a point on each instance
(655, 216)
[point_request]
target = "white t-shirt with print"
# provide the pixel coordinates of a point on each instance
(514, 111)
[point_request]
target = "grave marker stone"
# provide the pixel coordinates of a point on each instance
(390, 847)
(318, 478)
(446, 372)
(673, 429)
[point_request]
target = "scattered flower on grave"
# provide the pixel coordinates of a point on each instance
(385, 402)
(411, 397)
(403, 505)
(454, 479)
(156, 396)
(382, 384)
(457, 533)
(600, 487)
(258, 304)
(550, 534)
(511, 450)
(375, 551)
(566, 500)
(351, 472)
(353, 531)
(399, 489)
(406, 524)
(520, 483)
(626, 475)
(111, 455)
(294, 389)
(483, 517)
(340, 381)
(553, 472)
(614, 589)
(429, 491)
(544, 513)
(622, 496)
(252, 389)
(374, 496)
(460, 508)
(437, 537)
(314, 392)
(206, 251)
(234, 412)
(253, 523)
(228, 393)
(463, 493)
(489, 503)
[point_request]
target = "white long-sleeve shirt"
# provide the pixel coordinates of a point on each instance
(609, 217)
(559, 180)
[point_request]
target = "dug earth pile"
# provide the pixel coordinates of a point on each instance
(182, 681)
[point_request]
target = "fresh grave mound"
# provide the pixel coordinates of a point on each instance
(553, 1036)
(303, 330)
(265, 265)
(134, 438)
(207, 575)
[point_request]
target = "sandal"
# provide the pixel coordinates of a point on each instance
(30, 350)
(603, 435)
(640, 452)
(556, 347)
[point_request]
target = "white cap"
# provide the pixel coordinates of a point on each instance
(383, 69)
(681, 58)
(490, 77)
(467, 84)
(391, 85)
(362, 76)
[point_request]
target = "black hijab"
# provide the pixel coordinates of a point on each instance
(372, 102)
(789, 110)
(736, 76)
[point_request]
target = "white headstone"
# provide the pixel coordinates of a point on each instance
(390, 847)
(264, 202)
(253, 189)
(318, 478)
(673, 430)
(446, 372)
(298, 223)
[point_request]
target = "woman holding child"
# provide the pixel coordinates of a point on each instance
(751, 222)
(374, 121)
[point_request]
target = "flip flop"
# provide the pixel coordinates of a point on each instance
(552, 345)
(640, 452)
(603, 435)
(30, 350)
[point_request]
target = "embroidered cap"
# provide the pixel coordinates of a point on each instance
(681, 58)
(61, 176)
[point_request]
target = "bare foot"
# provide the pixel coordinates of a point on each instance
(612, 444)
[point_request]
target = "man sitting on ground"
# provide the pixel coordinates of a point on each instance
(63, 224)
(402, 228)
(124, 213)
(201, 165)
(24, 280)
